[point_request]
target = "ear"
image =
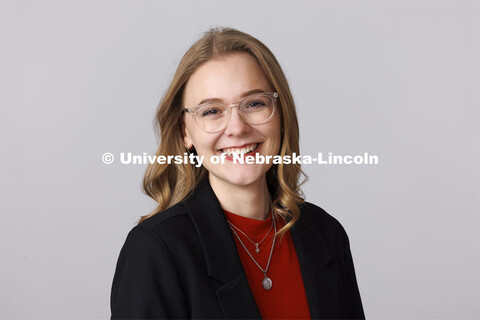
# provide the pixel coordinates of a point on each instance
(187, 141)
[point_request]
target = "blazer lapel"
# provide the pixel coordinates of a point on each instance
(314, 255)
(223, 263)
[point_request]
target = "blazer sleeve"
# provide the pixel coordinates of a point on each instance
(146, 284)
(354, 306)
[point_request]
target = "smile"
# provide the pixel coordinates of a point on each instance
(240, 151)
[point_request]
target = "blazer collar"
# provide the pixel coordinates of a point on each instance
(209, 220)
(223, 262)
(235, 297)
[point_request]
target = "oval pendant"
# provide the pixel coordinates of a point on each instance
(267, 283)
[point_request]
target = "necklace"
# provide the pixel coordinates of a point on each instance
(266, 282)
(256, 244)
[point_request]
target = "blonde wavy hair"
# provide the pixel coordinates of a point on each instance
(170, 184)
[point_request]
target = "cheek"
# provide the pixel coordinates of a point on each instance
(204, 143)
(192, 131)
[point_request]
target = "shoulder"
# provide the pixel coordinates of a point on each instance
(318, 218)
(175, 217)
(316, 214)
(329, 229)
(146, 271)
(162, 227)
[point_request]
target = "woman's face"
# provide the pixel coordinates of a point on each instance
(229, 78)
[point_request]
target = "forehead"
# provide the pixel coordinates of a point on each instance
(226, 78)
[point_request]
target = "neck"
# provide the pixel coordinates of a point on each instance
(250, 201)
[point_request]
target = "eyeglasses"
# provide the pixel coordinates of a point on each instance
(254, 109)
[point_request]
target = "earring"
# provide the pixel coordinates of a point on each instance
(190, 149)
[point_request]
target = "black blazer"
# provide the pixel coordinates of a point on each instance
(183, 263)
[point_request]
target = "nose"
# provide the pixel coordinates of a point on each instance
(236, 124)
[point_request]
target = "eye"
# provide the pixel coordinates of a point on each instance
(211, 111)
(255, 104)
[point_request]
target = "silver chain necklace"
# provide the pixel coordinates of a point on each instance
(256, 244)
(266, 282)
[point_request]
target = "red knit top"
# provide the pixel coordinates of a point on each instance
(286, 299)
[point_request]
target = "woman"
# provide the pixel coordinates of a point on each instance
(232, 240)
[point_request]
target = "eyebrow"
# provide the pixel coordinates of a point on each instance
(210, 100)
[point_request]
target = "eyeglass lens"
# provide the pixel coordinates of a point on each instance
(254, 109)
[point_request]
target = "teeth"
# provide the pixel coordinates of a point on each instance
(240, 151)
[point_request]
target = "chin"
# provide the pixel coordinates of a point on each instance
(242, 176)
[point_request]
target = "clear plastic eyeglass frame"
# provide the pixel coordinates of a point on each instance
(241, 106)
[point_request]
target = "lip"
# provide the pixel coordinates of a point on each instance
(253, 152)
(242, 146)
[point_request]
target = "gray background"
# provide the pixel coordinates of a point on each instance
(399, 79)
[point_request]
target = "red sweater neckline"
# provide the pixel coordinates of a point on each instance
(252, 227)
